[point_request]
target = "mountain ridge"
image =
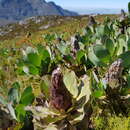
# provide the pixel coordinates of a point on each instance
(15, 10)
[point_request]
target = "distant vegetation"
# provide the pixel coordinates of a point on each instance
(47, 24)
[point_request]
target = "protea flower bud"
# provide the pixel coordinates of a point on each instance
(115, 81)
(91, 21)
(123, 13)
(60, 96)
(5, 120)
(75, 44)
(123, 17)
(59, 39)
(113, 76)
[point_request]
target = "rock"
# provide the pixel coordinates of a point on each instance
(44, 27)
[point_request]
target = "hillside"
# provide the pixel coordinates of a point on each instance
(14, 10)
(45, 24)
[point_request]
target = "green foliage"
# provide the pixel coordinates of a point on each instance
(87, 72)
(3, 101)
(71, 83)
(113, 123)
(109, 45)
(27, 96)
(34, 59)
(45, 86)
(129, 7)
(14, 93)
(17, 101)
(125, 56)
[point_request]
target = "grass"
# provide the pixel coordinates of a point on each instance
(112, 123)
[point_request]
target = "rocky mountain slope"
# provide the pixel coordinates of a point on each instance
(14, 10)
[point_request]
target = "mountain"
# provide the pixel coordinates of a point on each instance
(14, 10)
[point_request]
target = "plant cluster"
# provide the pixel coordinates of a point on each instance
(78, 79)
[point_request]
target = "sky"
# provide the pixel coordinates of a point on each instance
(82, 4)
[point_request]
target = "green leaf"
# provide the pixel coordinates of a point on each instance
(49, 37)
(70, 81)
(94, 59)
(128, 44)
(4, 52)
(97, 93)
(77, 117)
(109, 45)
(11, 110)
(43, 52)
(82, 100)
(33, 70)
(102, 53)
(128, 81)
(64, 49)
(51, 127)
(100, 30)
(45, 55)
(45, 86)
(16, 85)
(3, 101)
(85, 88)
(79, 55)
(13, 95)
(122, 45)
(40, 111)
(27, 97)
(129, 7)
(34, 59)
(43, 113)
(68, 58)
(107, 31)
(126, 59)
(20, 112)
